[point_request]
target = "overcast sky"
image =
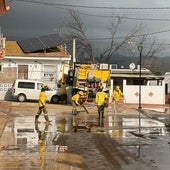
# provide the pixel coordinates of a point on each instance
(31, 18)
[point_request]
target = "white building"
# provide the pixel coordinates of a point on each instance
(47, 65)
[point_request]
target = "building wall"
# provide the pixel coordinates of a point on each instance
(8, 74)
(149, 94)
(48, 71)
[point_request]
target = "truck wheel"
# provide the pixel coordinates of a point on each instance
(21, 97)
(55, 99)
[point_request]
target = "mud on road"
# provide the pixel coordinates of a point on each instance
(99, 151)
(113, 146)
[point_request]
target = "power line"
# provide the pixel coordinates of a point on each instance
(97, 7)
(80, 6)
(138, 35)
(123, 17)
(102, 16)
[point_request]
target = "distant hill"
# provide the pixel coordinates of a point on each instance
(158, 65)
(155, 64)
(165, 64)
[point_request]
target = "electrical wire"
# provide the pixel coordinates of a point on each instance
(138, 35)
(123, 17)
(102, 16)
(61, 6)
(97, 7)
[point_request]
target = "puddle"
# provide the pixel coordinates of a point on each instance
(149, 142)
(29, 146)
(23, 140)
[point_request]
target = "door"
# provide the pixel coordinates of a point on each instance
(22, 71)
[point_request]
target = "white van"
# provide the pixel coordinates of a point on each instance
(23, 90)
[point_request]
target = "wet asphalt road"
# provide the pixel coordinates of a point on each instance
(116, 145)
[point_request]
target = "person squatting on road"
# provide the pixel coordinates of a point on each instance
(116, 95)
(76, 100)
(42, 104)
(101, 101)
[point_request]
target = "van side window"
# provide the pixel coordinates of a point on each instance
(39, 86)
(26, 85)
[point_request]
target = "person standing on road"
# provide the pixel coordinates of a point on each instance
(101, 101)
(116, 95)
(42, 104)
(63, 93)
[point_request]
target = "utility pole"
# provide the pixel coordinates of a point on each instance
(74, 51)
(140, 49)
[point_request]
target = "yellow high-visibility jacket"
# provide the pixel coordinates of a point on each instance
(42, 99)
(100, 98)
(75, 98)
(117, 94)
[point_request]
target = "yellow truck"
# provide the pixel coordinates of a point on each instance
(89, 78)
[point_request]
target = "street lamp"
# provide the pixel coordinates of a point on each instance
(140, 49)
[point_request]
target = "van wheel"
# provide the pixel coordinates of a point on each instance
(21, 97)
(55, 99)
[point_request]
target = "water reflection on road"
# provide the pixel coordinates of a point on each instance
(152, 144)
(29, 145)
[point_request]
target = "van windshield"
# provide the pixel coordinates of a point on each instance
(39, 86)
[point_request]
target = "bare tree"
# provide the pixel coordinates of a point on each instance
(78, 31)
(85, 47)
(116, 44)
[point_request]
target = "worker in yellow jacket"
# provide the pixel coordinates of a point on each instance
(101, 101)
(63, 93)
(76, 101)
(116, 95)
(42, 104)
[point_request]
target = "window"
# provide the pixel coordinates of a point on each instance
(23, 71)
(26, 85)
(39, 86)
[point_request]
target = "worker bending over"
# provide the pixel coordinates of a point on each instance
(76, 99)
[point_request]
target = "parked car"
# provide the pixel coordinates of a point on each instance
(23, 90)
